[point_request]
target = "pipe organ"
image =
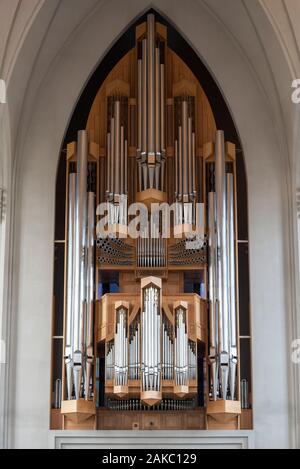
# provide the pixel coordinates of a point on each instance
(151, 321)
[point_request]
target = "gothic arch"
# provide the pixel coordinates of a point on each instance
(56, 89)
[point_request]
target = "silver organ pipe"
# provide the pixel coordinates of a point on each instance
(233, 360)
(80, 279)
(162, 123)
(151, 83)
(80, 243)
(70, 284)
(181, 349)
(168, 351)
(110, 360)
(192, 351)
(121, 348)
(89, 326)
(151, 111)
(185, 165)
(213, 319)
(151, 252)
(151, 340)
(117, 161)
(223, 355)
(134, 351)
(222, 261)
(185, 149)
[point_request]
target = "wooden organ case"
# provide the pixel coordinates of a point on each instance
(151, 321)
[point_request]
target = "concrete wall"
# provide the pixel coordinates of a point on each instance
(73, 42)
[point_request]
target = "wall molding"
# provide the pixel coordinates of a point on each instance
(202, 439)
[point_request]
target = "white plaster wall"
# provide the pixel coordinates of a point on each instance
(46, 111)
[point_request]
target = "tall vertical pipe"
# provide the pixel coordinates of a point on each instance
(232, 289)
(70, 282)
(194, 162)
(157, 101)
(144, 101)
(162, 107)
(90, 291)
(108, 163)
(140, 120)
(185, 146)
(222, 260)
(212, 291)
(122, 162)
(126, 170)
(117, 147)
(176, 169)
(112, 150)
(151, 84)
(190, 157)
(80, 243)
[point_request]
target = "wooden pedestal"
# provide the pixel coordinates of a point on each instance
(151, 196)
(121, 391)
(78, 414)
(151, 397)
(223, 415)
(181, 391)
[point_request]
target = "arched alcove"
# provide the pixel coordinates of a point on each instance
(213, 113)
(42, 129)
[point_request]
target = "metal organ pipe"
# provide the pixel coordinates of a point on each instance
(121, 348)
(140, 123)
(145, 100)
(117, 147)
(163, 123)
(222, 260)
(212, 292)
(185, 149)
(151, 83)
(181, 348)
(151, 326)
(90, 293)
(232, 289)
(81, 221)
(70, 284)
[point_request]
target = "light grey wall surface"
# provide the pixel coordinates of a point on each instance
(72, 39)
(111, 440)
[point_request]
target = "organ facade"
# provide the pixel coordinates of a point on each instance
(151, 311)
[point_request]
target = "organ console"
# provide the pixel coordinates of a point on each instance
(151, 321)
